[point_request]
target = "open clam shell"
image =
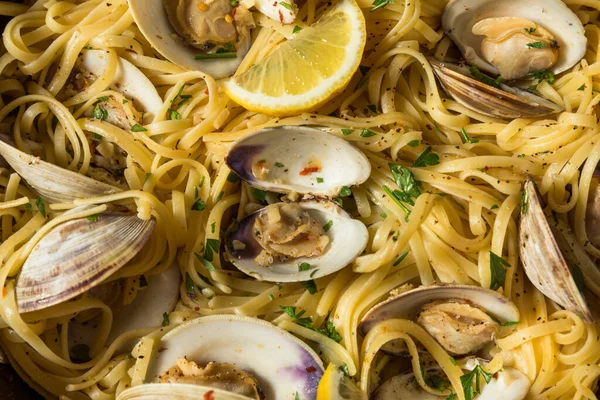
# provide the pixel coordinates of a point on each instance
(282, 364)
(553, 15)
(298, 159)
(542, 257)
(177, 391)
(347, 239)
(153, 21)
(145, 311)
(128, 80)
(508, 103)
(53, 183)
(407, 305)
(78, 255)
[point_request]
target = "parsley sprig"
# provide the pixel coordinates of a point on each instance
(329, 330)
(497, 270)
(426, 159)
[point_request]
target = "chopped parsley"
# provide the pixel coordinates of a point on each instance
(96, 137)
(310, 285)
(92, 218)
(143, 281)
(303, 267)
(345, 192)
(372, 107)
(483, 78)
(400, 259)
(544, 75)
(271, 297)
(530, 30)
(524, 203)
(166, 321)
(286, 5)
(190, 287)
(199, 205)
(453, 361)
(228, 47)
(234, 3)
(405, 179)
(328, 226)
(377, 4)
(320, 180)
(495, 206)
(148, 175)
(41, 206)
(260, 195)
(296, 29)
(99, 113)
(496, 320)
(344, 369)
(498, 273)
(314, 272)
(173, 115)
(467, 382)
(433, 381)
(537, 45)
(207, 264)
(414, 143)
(212, 245)
(138, 128)
(88, 47)
(102, 98)
(213, 56)
(396, 197)
(213, 226)
(366, 133)
(466, 138)
(279, 165)
(346, 132)
(578, 277)
(232, 177)
(220, 196)
(426, 159)
(298, 316)
(331, 332)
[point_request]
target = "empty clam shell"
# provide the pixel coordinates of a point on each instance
(282, 364)
(508, 103)
(347, 239)
(77, 255)
(298, 159)
(177, 391)
(542, 257)
(53, 183)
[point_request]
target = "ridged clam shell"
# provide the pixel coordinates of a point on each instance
(77, 255)
(282, 364)
(543, 259)
(177, 391)
(348, 238)
(509, 103)
(53, 183)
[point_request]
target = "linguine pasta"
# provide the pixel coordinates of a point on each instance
(469, 206)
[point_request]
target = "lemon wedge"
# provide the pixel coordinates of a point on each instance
(307, 70)
(335, 385)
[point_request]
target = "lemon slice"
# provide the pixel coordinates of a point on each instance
(308, 69)
(335, 385)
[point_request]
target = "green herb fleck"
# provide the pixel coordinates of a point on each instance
(232, 177)
(138, 128)
(41, 206)
(303, 267)
(394, 196)
(426, 159)
(344, 369)
(496, 320)
(453, 361)
(143, 282)
(199, 205)
(328, 226)
(92, 218)
(414, 143)
(346, 132)
(296, 29)
(28, 207)
(524, 202)
(320, 180)
(102, 98)
(190, 287)
(88, 47)
(366, 133)
(279, 165)
(216, 56)
(372, 107)
(166, 321)
(96, 137)
(286, 5)
(400, 259)
(213, 226)
(220, 196)
(331, 332)
(544, 75)
(495, 206)
(207, 264)
(466, 137)
(99, 113)
(405, 179)
(530, 30)
(377, 4)
(260, 195)
(467, 382)
(173, 115)
(483, 78)
(271, 297)
(537, 45)
(212, 245)
(498, 273)
(314, 272)
(345, 192)
(310, 285)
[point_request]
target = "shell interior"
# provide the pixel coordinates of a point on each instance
(542, 257)
(298, 159)
(145, 311)
(508, 103)
(128, 80)
(460, 16)
(53, 183)
(282, 364)
(408, 304)
(153, 22)
(78, 255)
(177, 391)
(348, 238)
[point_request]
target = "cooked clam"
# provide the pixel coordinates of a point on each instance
(503, 102)
(457, 316)
(544, 244)
(289, 242)
(282, 365)
(209, 36)
(53, 183)
(298, 159)
(145, 311)
(514, 38)
(78, 255)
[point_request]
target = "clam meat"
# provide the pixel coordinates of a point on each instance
(461, 318)
(289, 242)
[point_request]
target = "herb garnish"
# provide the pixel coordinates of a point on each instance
(286, 5)
(92, 218)
(173, 115)
(102, 98)
(207, 264)
(466, 138)
(498, 273)
(366, 133)
(216, 56)
(496, 320)
(401, 258)
(138, 128)
(41, 206)
(467, 382)
(434, 381)
(414, 143)
(143, 281)
(213, 226)
(426, 159)
(530, 30)
(279, 165)
(483, 78)
(345, 192)
(329, 330)
(346, 132)
(320, 180)
(405, 179)
(296, 29)
(344, 369)
(377, 4)
(99, 113)
(524, 202)
(537, 45)
(495, 206)
(166, 321)
(199, 205)
(260, 195)
(190, 287)
(328, 226)
(212, 245)
(303, 267)
(540, 76)
(310, 285)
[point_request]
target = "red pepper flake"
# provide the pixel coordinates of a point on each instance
(3, 292)
(311, 369)
(206, 91)
(280, 17)
(309, 170)
(209, 395)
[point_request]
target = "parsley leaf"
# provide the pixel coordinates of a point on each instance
(498, 273)
(328, 226)
(166, 321)
(311, 286)
(199, 205)
(297, 316)
(303, 267)
(397, 201)
(212, 245)
(544, 75)
(260, 195)
(93, 218)
(207, 264)
(138, 128)
(377, 4)
(173, 115)
(102, 98)
(41, 206)
(344, 369)
(405, 179)
(331, 332)
(496, 320)
(400, 259)
(345, 192)
(99, 113)
(366, 133)
(426, 159)
(537, 45)
(286, 5)
(524, 202)
(296, 29)
(190, 287)
(466, 137)
(483, 78)
(346, 132)
(414, 143)
(495, 206)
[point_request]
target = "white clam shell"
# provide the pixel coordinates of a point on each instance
(298, 148)
(177, 391)
(153, 22)
(77, 255)
(53, 183)
(282, 364)
(145, 311)
(553, 15)
(348, 238)
(128, 80)
(542, 257)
